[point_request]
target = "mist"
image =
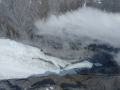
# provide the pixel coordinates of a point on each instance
(86, 24)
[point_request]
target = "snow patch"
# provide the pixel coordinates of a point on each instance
(98, 64)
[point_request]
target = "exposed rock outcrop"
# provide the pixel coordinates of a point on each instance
(68, 82)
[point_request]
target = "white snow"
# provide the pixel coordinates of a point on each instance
(83, 64)
(85, 3)
(20, 61)
(40, 2)
(70, 69)
(51, 88)
(98, 64)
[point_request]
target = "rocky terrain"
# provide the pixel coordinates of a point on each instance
(17, 19)
(104, 75)
(67, 82)
(17, 22)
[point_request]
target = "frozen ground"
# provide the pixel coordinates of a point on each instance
(20, 61)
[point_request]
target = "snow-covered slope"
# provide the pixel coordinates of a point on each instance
(20, 61)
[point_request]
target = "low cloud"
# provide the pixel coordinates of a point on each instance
(117, 58)
(86, 24)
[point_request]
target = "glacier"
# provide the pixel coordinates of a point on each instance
(18, 60)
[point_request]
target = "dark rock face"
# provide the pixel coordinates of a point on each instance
(68, 82)
(108, 65)
(108, 5)
(44, 82)
(66, 85)
(96, 47)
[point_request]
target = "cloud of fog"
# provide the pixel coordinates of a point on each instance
(117, 58)
(86, 24)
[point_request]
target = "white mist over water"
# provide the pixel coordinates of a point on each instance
(86, 24)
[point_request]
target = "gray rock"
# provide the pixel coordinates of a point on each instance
(68, 82)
